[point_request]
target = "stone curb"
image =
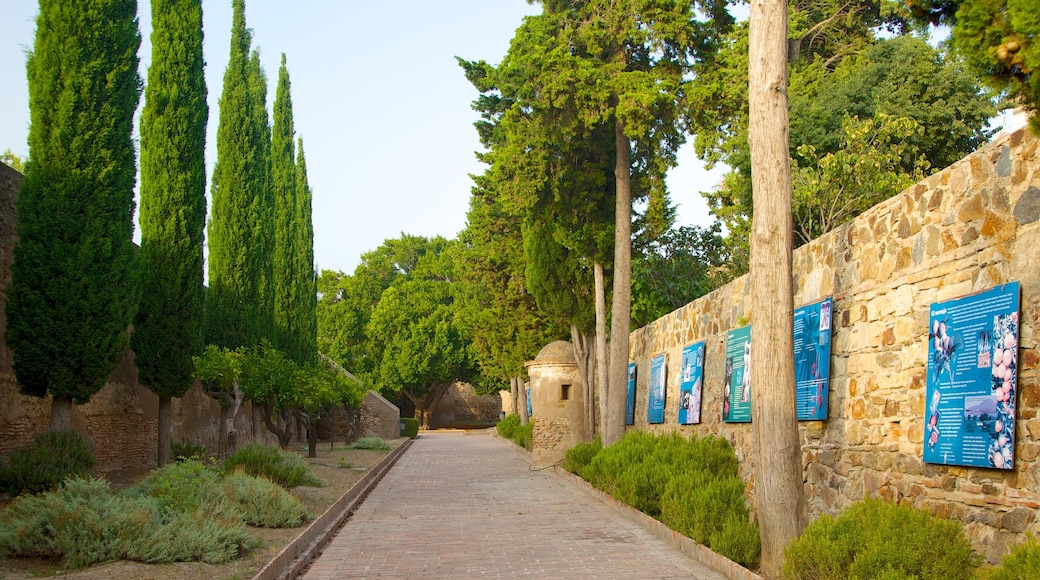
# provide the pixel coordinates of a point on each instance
(698, 552)
(301, 551)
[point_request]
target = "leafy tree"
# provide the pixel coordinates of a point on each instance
(13, 161)
(998, 39)
(167, 329)
(237, 258)
(220, 370)
(71, 297)
(782, 509)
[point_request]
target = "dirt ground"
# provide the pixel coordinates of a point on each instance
(339, 469)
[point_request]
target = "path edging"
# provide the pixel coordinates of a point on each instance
(300, 552)
(686, 545)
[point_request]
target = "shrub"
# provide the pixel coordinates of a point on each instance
(523, 435)
(874, 539)
(581, 454)
(264, 504)
(508, 426)
(52, 457)
(188, 486)
(184, 449)
(285, 468)
(83, 522)
(411, 427)
(1022, 563)
(373, 443)
(738, 540)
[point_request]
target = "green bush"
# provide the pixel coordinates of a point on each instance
(188, 486)
(523, 435)
(580, 455)
(184, 449)
(738, 539)
(83, 522)
(263, 503)
(52, 457)
(874, 539)
(411, 427)
(373, 443)
(508, 426)
(1022, 563)
(285, 468)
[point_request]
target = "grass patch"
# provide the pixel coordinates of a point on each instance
(285, 468)
(370, 443)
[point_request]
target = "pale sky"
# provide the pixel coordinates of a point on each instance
(382, 106)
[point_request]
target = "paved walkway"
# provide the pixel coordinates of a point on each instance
(460, 505)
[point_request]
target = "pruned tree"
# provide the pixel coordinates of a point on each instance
(71, 296)
(219, 370)
(168, 327)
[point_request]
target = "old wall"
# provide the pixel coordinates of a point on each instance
(379, 417)
(963, 230)
(461, 406)
(120, 420)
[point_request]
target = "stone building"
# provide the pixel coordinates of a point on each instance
(557, 404)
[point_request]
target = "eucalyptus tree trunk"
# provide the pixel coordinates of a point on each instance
(585, 359)
(621, 306)
(524, 417)
(782, 509)
(165, 425)
(601, 347)
(514, 388)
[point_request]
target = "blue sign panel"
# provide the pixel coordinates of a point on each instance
(630, 410)
(736, 399)
(692, 381)
(656, 396)
(812, 359)
(973, 379)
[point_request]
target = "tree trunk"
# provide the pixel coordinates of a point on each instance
(601, 346)
(621, 307)
(524, 416)
(282, 429)
(236, 403)
(258, 435)
(222, 434)
(164, 427)
(61, 414)
(582, 357)
(782, 509)
(431, 400)
(312, 437)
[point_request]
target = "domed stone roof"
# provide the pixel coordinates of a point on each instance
(556, 352)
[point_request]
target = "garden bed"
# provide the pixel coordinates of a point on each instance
(339, 469)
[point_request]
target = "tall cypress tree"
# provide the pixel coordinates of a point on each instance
(233, 309)
(307, 279)
(168, 326)
(263, 209)
(71, 297)
(283, 184)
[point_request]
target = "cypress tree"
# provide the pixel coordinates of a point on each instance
(168, 326)
(233, 298)
(283, 181)
(71, 297)
(307, 285)
(263, 210)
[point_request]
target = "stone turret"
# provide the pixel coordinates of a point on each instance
(557, 404)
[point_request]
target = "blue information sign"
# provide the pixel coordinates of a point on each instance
(656, 396)
(692, 381)
(736, 399)
(630, 410)
(973, 379)
(812, 359)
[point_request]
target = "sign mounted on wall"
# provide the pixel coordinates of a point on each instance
(973, 379)
(736, 399)
(692, 381)
(656, 395)
(630, 408)
(812, 359)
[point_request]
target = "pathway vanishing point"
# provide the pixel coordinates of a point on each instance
(467, 505)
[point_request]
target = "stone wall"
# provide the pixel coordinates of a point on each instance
(461, 406)
(966, 229)
(120, 420)
(379, 417)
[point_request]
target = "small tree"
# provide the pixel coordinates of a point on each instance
(219, 370)
(71, 296)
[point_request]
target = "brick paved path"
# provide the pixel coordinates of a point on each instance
(461, 505)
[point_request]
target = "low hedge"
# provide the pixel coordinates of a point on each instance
(411, 428)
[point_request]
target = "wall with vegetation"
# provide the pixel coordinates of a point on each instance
(965, 229)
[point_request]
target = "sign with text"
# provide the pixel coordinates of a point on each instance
(656, 395)
(973, 379)
(736, 399)
(630, 409)
(692, 381)
(812, 359)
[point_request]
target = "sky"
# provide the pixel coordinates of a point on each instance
(382, 106)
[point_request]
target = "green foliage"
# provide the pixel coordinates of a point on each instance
(691, 485)
(167, 328)
(373, 443)
(83, 522)
(523, 435)
(1022, 563)
(52, 457)
(874, 539)
(187, 486)
(411, 427)
(285, 468)
(237, 234)
(185, 450)
(580, 455)
(71, 294)
(263, 503)
(13, 161)
(508, 426)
